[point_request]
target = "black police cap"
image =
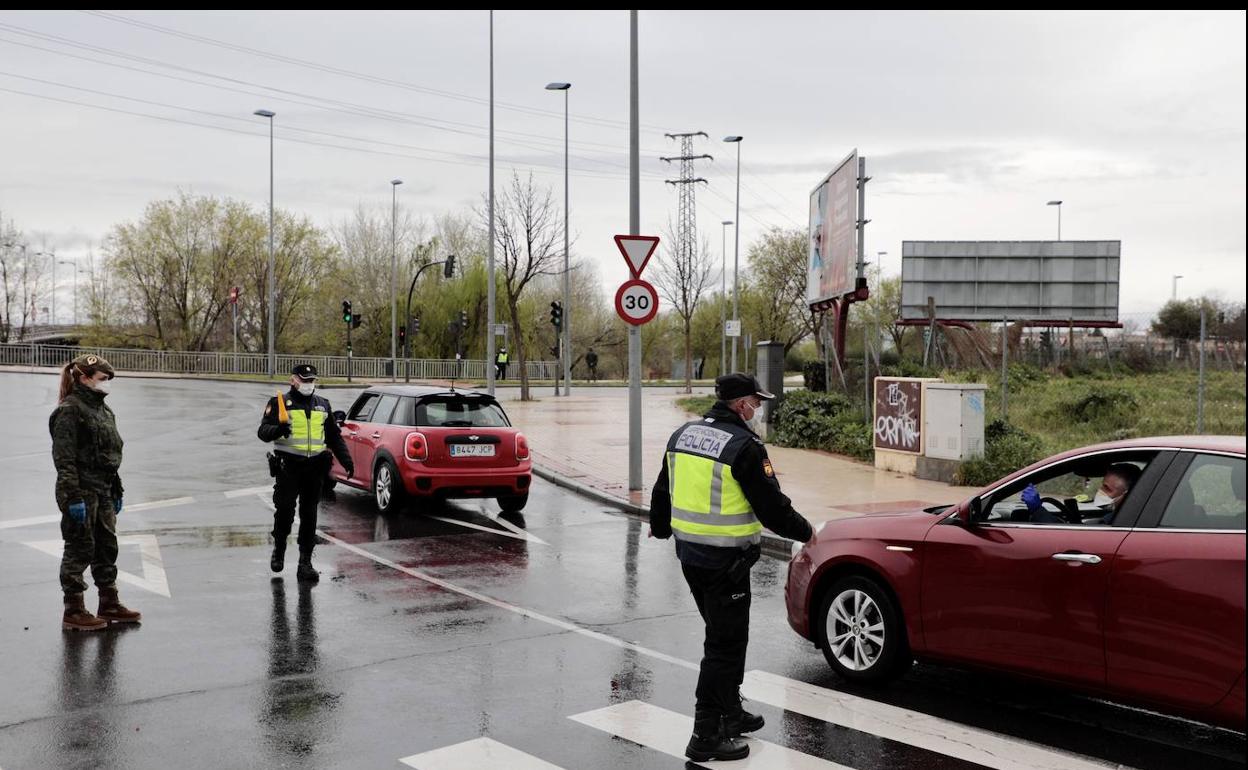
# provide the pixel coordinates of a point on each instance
(739, 385)
(305, 372)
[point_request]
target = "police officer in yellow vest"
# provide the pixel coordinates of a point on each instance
(300, 464)
(715, 493)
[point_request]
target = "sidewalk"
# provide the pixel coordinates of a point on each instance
(582, 442)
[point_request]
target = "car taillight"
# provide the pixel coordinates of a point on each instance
(522, 447)
(416, 447)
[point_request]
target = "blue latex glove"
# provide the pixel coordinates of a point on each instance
(1031, 498)
(78, 512)
(117, 505)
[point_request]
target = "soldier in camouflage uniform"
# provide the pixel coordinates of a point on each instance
(86, 449)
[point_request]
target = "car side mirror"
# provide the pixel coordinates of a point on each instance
(972, 512)
(340, 417)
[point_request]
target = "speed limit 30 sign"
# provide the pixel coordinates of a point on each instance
(636, 302)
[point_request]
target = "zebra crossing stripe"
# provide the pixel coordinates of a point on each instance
(478, 754)
(913, 728)
(666, 731)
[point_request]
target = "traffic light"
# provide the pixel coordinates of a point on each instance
(346, 312)
(402, 334)
(448, 268)
(463, 319)
(556, 314)
(355, 319)
(416, 325)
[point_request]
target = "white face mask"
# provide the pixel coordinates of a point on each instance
(104, 387)
(307, 388)
(1102, 500)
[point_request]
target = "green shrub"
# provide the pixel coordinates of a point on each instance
(1105, 409)
(1006, 449)
(827, 421)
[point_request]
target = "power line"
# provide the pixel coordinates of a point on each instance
(474, 162)
(602, 122)
(344, 107)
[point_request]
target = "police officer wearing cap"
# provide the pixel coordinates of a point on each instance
(302, 442)
(716, 493)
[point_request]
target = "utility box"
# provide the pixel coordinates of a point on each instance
(770, 365)
(954, 417)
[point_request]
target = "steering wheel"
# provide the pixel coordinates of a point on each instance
(1063, 509)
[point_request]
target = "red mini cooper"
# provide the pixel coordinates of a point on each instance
(414, 442)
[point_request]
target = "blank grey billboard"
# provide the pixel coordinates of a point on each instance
(1020, 280)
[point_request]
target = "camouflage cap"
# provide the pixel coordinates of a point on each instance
(89, 363)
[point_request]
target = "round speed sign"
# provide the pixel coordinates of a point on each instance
(636, 302)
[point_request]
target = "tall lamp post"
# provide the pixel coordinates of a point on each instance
(736, 250)
(272, 266)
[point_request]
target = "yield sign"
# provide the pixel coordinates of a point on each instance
(153, 579)
(636, 250)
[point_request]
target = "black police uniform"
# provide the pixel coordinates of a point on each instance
(719, 577)
(300, 478)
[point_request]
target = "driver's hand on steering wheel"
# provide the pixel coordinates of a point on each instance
(1031, 498)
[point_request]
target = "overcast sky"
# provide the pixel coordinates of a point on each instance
(970, 122)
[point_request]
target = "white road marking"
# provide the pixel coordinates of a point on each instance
(477, 754)
(668, 732)
(500, 521)
(913, 728)
(556, 622)
(55, 518)
(154, 578)
(158, 504)
(248, 491)
(518, 534)
(29, 522)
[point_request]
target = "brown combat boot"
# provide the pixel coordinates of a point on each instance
(76, 617)
(113, 611)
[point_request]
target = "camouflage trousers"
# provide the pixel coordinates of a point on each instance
(91, 544)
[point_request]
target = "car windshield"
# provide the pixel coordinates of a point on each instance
(460, 413)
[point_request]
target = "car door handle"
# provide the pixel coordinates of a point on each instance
(376, 435)
(1081, 558)
(353, 433)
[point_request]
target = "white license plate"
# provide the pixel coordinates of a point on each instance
(472, 450)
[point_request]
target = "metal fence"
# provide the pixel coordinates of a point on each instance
(187, 362)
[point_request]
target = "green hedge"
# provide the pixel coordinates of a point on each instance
(827, 421)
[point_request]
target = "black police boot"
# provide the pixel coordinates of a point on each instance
(305, 571)
(747, 722)
(278, 559)
(719, 744)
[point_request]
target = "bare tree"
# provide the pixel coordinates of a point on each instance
(682, 275)
(529, 234)
(775, 302)
(12, 254)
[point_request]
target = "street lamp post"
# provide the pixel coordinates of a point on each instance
(723, 297)
(567, 279)
(1059, 217)
(272, 262)
(74, 265)
(736, 250)
(394, 277)
(1174, 288)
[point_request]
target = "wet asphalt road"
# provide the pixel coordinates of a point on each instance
(434, 629)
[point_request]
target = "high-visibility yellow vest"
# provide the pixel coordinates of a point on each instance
(708, 504)
(307, 431)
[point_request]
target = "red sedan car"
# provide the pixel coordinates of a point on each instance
(413, 442)
(1141, 603)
